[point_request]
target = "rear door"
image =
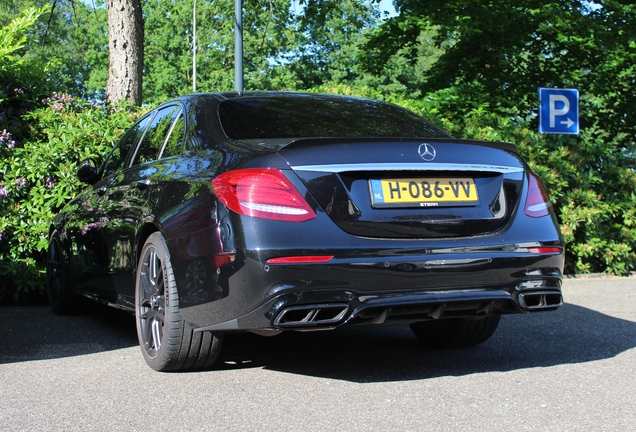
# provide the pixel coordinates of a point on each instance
(130, 194)
(92, 261)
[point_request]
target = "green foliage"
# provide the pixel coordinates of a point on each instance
(267, 29)
(13, 37)
(22, 78)
(283, 48)
(75, 40)
(501, 52)
(287, 45)
(67, 46)
(404, 71)
(38, 178)
(329, 34)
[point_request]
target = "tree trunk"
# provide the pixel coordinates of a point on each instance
(126, 51)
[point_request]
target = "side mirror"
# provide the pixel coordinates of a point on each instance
(87, 172)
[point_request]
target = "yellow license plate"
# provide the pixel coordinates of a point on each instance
(423, 192)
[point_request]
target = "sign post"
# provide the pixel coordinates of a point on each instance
(559, 111)
(238, 46)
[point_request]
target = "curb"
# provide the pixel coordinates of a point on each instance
(592, 276)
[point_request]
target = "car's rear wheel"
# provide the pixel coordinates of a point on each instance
(167, 342)
(455, 332)
(59, 291)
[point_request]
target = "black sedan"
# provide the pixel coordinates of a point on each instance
(271, 212)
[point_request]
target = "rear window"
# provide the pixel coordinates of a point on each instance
(319, 116)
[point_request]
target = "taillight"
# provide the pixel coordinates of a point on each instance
(303, 259)
(545, 250)
(537, 201)
(263, 193)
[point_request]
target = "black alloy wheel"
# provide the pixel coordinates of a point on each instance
(59, 291)
(455, 332)
(168, 342)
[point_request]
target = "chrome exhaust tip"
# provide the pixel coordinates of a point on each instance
(311, 315)
(540, 300)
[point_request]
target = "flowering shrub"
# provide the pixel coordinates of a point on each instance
(43, 136)
(5, 139)
(58, 102)
(37, 177)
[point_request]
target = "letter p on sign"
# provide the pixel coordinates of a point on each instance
(559, 111)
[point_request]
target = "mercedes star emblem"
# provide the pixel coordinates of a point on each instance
(427, 152)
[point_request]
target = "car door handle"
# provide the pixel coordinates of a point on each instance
(144, 184)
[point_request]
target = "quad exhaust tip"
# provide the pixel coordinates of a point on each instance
(540, 300)
(311, 315)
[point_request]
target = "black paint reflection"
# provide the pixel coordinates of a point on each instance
(203, 249)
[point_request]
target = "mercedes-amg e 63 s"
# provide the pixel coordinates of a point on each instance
(271, 212)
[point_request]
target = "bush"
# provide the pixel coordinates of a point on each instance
(37, 178)
(22, 79)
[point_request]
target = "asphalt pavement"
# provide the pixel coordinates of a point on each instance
(569, 370)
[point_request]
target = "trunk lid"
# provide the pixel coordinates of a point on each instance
(410, 188)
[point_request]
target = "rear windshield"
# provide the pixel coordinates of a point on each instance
(319, 116)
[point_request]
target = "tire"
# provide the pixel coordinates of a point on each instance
(168, 342)
(455, 332)
(59, 289)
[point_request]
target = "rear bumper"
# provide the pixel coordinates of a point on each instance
(326, 310)
(368, 281)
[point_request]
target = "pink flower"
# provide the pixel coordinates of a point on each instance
(57, 101)
(5, 137)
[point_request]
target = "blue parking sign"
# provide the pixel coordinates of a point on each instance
(559, 111)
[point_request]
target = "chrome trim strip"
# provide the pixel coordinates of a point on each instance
(338, 168)
(454, 263)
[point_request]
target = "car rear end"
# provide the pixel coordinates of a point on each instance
(385, 230)
(497, 249)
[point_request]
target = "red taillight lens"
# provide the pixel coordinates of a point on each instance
(545, 250)
(263, 193)
(305, 259)
(537, 201)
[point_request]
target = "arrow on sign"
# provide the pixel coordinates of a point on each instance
(568, 122)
